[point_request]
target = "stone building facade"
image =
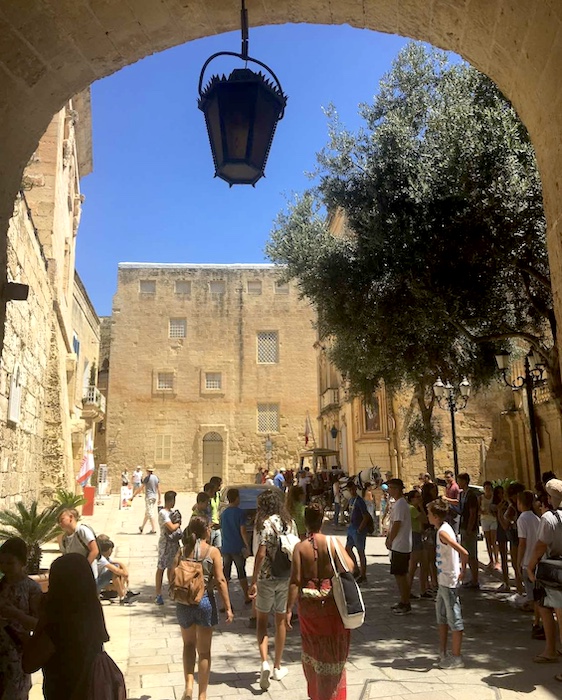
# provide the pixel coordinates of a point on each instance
(44, 420)
(206, 363)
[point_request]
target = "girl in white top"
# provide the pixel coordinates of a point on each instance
(489, 523)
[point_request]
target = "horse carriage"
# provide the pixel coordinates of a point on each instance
(324, 475)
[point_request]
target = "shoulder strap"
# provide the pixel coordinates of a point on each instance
(557, 516)
(82, 542)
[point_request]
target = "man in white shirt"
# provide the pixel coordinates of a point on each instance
(528, 525)
(399, 542)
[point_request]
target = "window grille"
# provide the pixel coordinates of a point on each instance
(178, 328)
(165, 381)
(183, 287)
(217, 287)
(254, 287)
(76, 345)
(268, 347)
(268, 418)
(213, 380)
(147, 286)
(163, 448)
(281, 288)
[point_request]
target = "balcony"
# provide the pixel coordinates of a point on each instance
(93, 404)
(329, 399)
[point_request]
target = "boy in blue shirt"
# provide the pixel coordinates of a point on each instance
(235, 547)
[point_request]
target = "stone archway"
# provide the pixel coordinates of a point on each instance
(52, 50)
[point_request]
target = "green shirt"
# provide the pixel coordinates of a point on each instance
(415, 515)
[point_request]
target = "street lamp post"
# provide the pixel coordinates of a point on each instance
(452, 399)
(534, 370)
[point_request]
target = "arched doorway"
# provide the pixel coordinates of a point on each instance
(53, 51)
(212, 463)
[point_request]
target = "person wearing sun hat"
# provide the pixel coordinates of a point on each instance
(550, 543)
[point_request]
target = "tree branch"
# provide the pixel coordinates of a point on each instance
(539, 277)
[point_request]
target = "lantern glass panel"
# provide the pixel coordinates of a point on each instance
(212, 117)
(237, 104)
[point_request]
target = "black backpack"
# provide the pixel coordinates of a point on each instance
(281, 564)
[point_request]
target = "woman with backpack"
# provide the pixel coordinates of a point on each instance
(78, 538)
(193, 583)
(270, 580)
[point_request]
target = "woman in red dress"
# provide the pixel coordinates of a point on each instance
(325, 641)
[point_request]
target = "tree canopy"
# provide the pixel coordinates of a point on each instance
(443, 256)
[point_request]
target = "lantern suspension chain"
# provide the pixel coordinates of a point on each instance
(244, 26)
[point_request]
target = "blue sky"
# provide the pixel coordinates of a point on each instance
(152, 196)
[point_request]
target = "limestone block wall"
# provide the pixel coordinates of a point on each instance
(26, 347)
(220, 338)
(485, 444)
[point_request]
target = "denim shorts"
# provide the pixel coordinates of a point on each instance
(356, 539)
(272, 595)
(448, 608)
(103, 580)
(205, 614)
(417, 544)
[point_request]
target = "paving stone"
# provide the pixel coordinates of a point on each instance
(161, 680)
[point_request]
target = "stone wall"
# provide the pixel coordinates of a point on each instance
(220, 338)
(27, 346)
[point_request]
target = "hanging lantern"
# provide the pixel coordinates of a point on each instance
(241, 114)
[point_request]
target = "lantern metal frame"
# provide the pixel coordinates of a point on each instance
(452, 399)
(277, 90)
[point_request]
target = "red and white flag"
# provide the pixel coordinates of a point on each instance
(307, 430)
(87, 465)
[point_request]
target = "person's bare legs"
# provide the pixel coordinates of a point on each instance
(424, 571)
(159, 580)
(261, 633)
(403, 588)
(119, 584)
(189, 637)
(362, 563)
(550, 632)
(490, 537)
(351, 553)
(280, 636)
(415, 559)
(204, 639)
(503, 556)
(456, 642)
(514, 549)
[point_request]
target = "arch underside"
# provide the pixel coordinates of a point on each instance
(53, 49)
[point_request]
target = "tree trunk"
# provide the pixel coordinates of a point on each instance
(426, 414)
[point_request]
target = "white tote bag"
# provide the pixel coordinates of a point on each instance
(347, 594)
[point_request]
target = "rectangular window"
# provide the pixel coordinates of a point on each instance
(147, 286)
(183, 287)
(163, 449)
(14, 398)
(217, 287)
(268, 418)
(268, 347)
(213, 380)
(178, 328)
(254, 287)
(372, 415)
(165, 381)
(281, 288)
(76, 345)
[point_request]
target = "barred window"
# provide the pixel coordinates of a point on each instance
(217, 287)
(281, 287)
(147, 286)
(178, 328)
(183, 287)
(254, 287)
(163, 448)
(268, 347)
(213, 380)
(165, 381)
(268, 418)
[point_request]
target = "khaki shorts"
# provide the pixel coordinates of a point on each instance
(272, 595)
(150, 506)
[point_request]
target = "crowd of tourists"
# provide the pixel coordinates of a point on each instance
(431, 539)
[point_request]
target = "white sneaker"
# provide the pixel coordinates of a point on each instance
(279, 673)
(451, 662)
(440, 659)
(264, 676)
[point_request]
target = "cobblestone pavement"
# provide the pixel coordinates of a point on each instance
(391, 657)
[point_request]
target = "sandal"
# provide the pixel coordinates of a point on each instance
(545, 659)
(558, 678)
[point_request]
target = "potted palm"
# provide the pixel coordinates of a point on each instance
(35, 528)
(67, 499)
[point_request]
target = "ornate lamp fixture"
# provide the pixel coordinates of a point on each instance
(452, 399)
(241, 113)
(334, 431)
